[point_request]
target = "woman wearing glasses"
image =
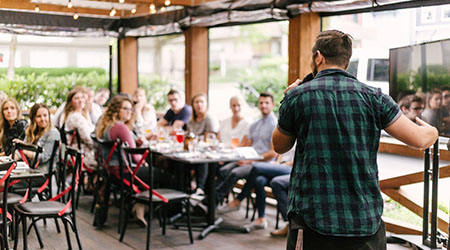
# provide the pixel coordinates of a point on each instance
(117, 124)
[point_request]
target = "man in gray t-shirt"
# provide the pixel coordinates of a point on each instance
(259, 137)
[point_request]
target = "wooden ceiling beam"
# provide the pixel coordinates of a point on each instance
(22, 5)
(142, 6)
(173, 2)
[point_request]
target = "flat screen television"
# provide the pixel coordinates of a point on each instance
(422, 72)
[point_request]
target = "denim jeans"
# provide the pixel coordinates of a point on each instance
(261, 175)
(280, 186)
(228, 176)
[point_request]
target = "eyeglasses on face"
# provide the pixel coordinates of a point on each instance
(127, 109)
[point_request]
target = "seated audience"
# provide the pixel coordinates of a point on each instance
(201, 123)
(411, 106)
(432, 114)
(12, 126)
(260, 138)
(232, 130)
(179, 114)
(76, 117)
(145, 115)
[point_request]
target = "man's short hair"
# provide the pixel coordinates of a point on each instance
(266, 94)
(173, 92)
(408, 100)
(103, 90)
(335, 46)
(445, 88)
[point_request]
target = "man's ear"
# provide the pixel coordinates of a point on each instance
(319, 59)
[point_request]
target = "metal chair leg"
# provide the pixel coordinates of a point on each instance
(66, 228)
(188, 212)
(38, 235)
(24, 229)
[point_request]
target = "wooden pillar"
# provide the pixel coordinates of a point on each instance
(196, 65)
(303, 30)
(128, 65)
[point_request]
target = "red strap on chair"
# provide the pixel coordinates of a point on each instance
(12, 183)
(8, 215)
(25, 197)
(24, 158)
(74, 133)
(44, 186)
(63, 211)
(58, 196)
(110, 154)
(141, 161)
(144, 185)
(77, 179)
(8, 172)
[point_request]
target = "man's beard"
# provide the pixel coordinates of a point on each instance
(314, 69)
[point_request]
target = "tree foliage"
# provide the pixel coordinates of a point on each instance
(270, 76)
(32, 88)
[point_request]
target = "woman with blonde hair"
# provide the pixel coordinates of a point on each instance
(233, 130)
(41, 132)
(12, 126)
(76, 117)
(144, 113)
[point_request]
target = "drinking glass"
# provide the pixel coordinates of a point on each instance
(234, 142)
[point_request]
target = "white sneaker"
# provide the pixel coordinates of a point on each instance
(226, 209)
(199, 195)
(253, 226)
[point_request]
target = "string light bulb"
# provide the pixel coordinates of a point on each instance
(36, 8)
(163, 8)
(167, 2)
(113, 12)
(75, 16)
(121, 1)
(152, 7)
(69, 4)
(133, 11)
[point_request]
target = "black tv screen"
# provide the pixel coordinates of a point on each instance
(419, 80)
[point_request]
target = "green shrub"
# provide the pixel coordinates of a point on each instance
(33, 88)
(267, 77)
(156, 89)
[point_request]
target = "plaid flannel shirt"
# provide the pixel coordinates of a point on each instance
(337, 122)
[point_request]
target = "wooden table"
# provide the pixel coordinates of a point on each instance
(211, 222)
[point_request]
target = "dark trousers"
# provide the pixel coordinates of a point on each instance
(315, 241)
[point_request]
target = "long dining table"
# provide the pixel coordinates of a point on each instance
(211, 157)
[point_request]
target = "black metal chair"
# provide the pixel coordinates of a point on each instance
(110, 179)
(6, 218)
(161, 197)
(60, 206)
(72, 139)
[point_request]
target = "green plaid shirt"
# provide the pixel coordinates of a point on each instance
(337, 122)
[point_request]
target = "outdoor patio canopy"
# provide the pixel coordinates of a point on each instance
(143, 18)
